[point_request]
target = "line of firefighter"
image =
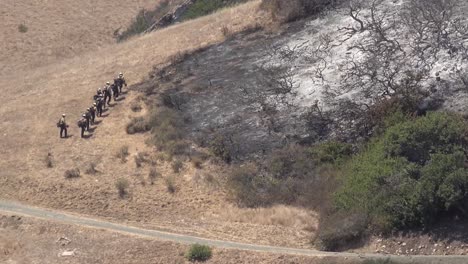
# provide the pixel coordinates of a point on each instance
(101, 99)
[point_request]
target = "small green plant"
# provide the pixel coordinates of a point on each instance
(153, 175)
(49, 160)
(123, 153)
(136, 106)
(177, 165)
(22, 28)
(170, 184)
(122, 186)
(138, 125)
(72, 173)
(199, 252)
(206, 7)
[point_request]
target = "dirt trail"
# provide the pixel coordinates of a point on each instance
(29, 211)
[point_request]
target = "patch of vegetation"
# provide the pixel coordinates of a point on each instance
(339, 230)
(49, 160)
(199, 252)
(205, 7)
(198, 159)
(177, 165)
(289, 10)
(140, 158)
(153, 175)
(22, 28)
(91, 169)
(411, 174)
(122, 154)
(138, 125)
(291, 175)
(136, 107)
(122, 185)
(72, 173)
(170, 184)
(167, 131)
(144, 20)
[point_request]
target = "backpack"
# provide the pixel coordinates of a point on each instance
(81, 123)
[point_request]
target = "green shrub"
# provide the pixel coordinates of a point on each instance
(72, 173)
(122, 154)
(138, 125)
(206, 7)
(220, 147)
(170, 184)
(49, 160)
(122, 185)
(411, 174)
(167, 131)
(291, 162)
(177, 165)
(199, 252)
(153, 175)
(22, 28)
(332, 152)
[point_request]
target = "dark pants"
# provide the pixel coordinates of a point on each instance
(116, 93)
(87, 123)
(99, 110)
(93, 116)
(120, 88)
(63, 129)
(82, 131)
(109, 97)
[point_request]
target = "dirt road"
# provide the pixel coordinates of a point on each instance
(29, 211)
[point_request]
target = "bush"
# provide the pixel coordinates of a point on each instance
(177, 165)
(339, 230)
(411, 174)
(197, 159)
(199, 252)
(49, 160)
(136, 107)
(73, 173)
(221, 148)
(140, 158)
(122, 154)
(153, 175)
(247, 188)
(206, 7)
(22, 28)
(122, 185)
(138, 125)
(91, 168)
(289, 10)
(170, 184)
(332, 152)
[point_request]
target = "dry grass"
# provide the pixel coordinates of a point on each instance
(279, 215)
(35, 33)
